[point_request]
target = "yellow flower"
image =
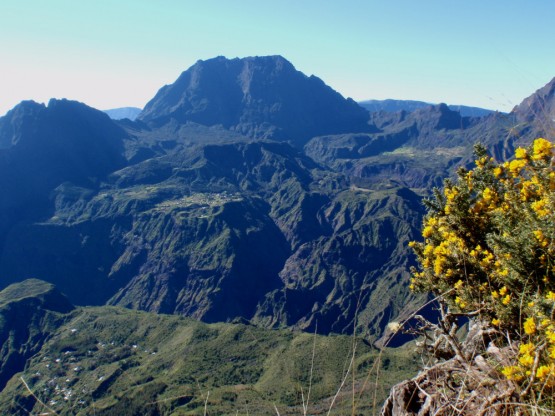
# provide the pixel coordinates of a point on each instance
(451, 193)
(506, 300)
(459, 284)
(503, 291)
(481, 162)
(428, 250)
(515, 166)
(540, 207)
(526, 349)
(550, 295)
(529, 326)
(526, 360)
(495, 322)
(543, 372)
(488, 195)
(542, 149)
(504, 273)
(512, 373)
(520, 153)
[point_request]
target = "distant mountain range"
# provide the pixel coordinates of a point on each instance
(373, 106)
(410, 106)
(245, 190)
(130, 113)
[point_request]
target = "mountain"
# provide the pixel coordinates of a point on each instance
(244, 191)
(390, 105)
(29, 313)
(260, 97)
(42, 147)
(415, 149)
(243, 230)
(130, 113)
(106, 361)
(539, 109)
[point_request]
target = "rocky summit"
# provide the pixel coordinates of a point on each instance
(259, 97)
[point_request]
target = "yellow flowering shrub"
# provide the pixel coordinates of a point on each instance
(489, 248)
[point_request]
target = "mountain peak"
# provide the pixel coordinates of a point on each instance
(439, 116)
(539, 106)
(259, 96)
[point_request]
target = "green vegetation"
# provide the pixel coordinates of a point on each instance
(489, 252)
(109, 360)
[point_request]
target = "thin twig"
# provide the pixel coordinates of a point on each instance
(342, 382)
(206, 403)
(305, 406)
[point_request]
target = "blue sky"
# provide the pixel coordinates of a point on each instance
(119, 53)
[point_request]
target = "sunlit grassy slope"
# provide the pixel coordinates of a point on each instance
(108, 360)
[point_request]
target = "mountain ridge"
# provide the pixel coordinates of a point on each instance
(261, 97)
(178, 217)
(121, 113)
(392, 105)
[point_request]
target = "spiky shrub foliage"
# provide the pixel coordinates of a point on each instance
(489, 250)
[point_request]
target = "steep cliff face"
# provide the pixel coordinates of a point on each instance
(245, 230)
(539, 107)
(41, 147)
(260, 97)
(352, 276)
(30, 312)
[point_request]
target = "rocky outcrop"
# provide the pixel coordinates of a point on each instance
(260, 97)
(538, 107)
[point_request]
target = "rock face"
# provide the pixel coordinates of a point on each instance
(41, 147)
(235, 231)
(539, 106)
(536, 114)
(260, 97)
(29, 312)
(193, 209)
